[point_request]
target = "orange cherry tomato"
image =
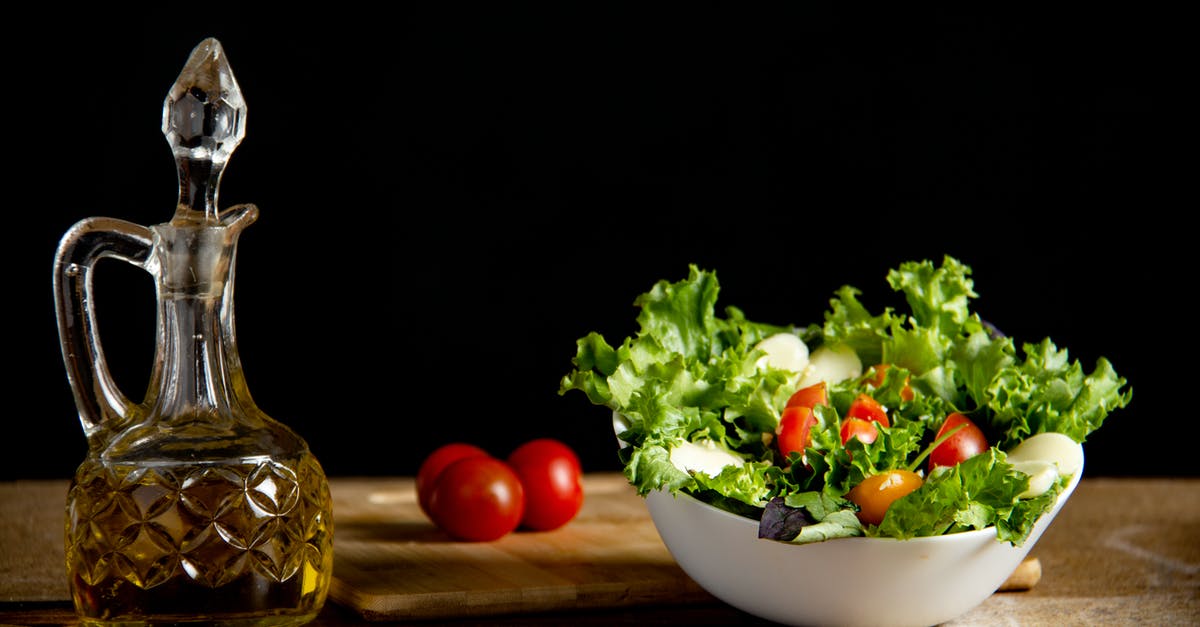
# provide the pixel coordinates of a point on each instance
(875, 494)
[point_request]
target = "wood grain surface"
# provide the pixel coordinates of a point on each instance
(391, 563)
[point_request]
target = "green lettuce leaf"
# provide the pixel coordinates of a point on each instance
(688, 373)
(979, 492)
(848, 322)
(938, 296)
(1049, 392)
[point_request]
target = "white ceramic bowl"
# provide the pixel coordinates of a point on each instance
(847, 581)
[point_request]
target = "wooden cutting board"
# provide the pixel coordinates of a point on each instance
(391, 563)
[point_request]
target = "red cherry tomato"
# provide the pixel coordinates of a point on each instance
(879, 372)
(875, 494)
(477, 498)
(866, 408)
(859, 428)
(794, 429)
(810, 396)
(435, 463)
(552, 477)
(967, 442)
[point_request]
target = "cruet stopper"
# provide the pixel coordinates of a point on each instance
(204, 120)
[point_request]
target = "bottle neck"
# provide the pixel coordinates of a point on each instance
(197, 373)
(199, 180)
(197, 366)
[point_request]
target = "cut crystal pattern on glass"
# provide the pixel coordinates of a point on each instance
(204, 115)
(146, 540)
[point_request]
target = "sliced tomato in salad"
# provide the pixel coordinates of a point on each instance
(866, 408)
(864, 430)
(965, 443)
(795, 428)
(810, 396)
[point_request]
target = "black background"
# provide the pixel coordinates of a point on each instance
(450, 198)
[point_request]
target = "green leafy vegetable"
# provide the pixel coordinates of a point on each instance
(977, 493)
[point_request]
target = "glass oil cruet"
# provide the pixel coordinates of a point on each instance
(193, 505)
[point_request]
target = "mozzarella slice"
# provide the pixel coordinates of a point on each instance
(831, 364)
(620, 425)
(703, 456)
(1042, 475)
(784, 351)
(1059, 449)
(1045, 457)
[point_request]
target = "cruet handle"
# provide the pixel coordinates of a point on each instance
(96, 393)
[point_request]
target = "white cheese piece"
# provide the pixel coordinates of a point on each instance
(1058, 449)
(831, 365)
(620, 425)
(1042, 475)
(703, 456)
(784, 351)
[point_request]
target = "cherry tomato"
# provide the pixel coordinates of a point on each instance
(859, 428)
(879, 373)
(794, 429)
(810, 396)
(477, 498)
(967, 442)
(552, 477)
(866, 408)
(875, 494)
(435, 463)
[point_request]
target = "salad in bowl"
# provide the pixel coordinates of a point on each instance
(881, 424)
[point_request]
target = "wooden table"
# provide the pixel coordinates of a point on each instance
(1122, 551)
